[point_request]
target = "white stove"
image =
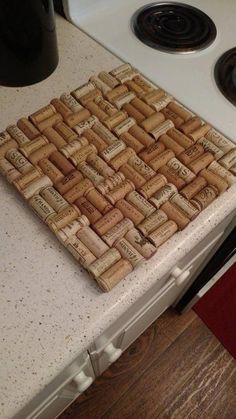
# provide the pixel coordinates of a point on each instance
(189, 77)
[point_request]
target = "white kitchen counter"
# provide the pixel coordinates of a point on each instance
(50, 309)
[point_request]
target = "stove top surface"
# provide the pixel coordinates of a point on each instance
(188, 77)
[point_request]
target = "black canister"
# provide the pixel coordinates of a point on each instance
(28, 43)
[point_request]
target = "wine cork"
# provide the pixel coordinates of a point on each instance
(163, 233)
(108, 221)
(115, 119)
(41, 208)
(120, 191)
(212, 148)
(129, 252)
(161, 159)
(221, 171)
(83, 90)
(24, 180)
(192, 153)
(172, 177)
(61, 162)
(33, 145)
(120, 69)
(181, 170)
(180, 110)
(28, 128)
(152, 222)
(171, 144)
(70, 102)
(54, 199)
(215, 180)
(100, 165)
(4, 137)
(35, 186)
(50, 170)
(88, 171)
(82, 154)
(80, 251)
(42, 153)
(69, 149)
(92, 241)
(75, 118)
(104, 133)
(180, 138)
(153, 121)
(145, 170)
(162, 129)
(104, 262)
(19, 161)
(191, 125)
(94, 139)
(163, 195)
(229, 159)
(114, 275)
(204, 198)
(176, 119)
(233, 169)
(7, 146)
(98, 201)
(61, 108)
(144, 83)
(201, 163)
(153, 185)
(65, 132)
(134, 113)
(152, 151)
(86, 124)
(78, 190)
(134, 87)
(126, 76)
(100, 85)
(141, 135)
(111, 182)
(194, 187)
(116, 92)
(140, 243)
(153, 96)
(132, 174)
(118, 231)
(124, 126)
(175, 214)
(8, 170)
(105, 105)
(90, 96)
(142, 107)
(139, 202)
(52, 135)
(72, 228)
(17, 135)
(112, 150)
(120, 101)
(88, 209)
(200, 132)
(95, 110)
(184, 205)
(132, 142)
(121, 158)
(129, 211)
(219, 140)
(49, 122)
(59, 221)
(42, 114)
(162, 102)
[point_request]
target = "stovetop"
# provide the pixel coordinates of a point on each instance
(188, 77)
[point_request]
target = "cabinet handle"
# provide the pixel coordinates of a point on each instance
(112, 352)
(82, 381)
(179, 275)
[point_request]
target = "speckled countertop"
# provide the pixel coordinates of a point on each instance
(50, 309)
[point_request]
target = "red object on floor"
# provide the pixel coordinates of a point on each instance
(217, 309)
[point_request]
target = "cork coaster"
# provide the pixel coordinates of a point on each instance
(115, 168)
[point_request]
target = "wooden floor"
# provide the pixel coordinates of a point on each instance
(175, 370)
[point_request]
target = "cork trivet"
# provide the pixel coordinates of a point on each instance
(7, 146)
(107, 260)
(184, 205)
(191, 125)
(221, 171)
(103, 87)
(175, 215)
(4, 137)
(42, 153)
(180, 110)
(180, 138)
(104, 133)
(121, 158)
(141, 167)
(132, 174)
(23, 181)
(219, 140)
(201, 163)
(120, 191)
(141, 135)
(33, 145)
(134, 113)
(122, 100)
(204, 198)
(200, 132)
(8, 170)
(105, 105)
(92, 241)
(161, 159)
(78, 190)
(52, 135)
(112, 150)
(61, 108)
(163, 195)
(171, 144)
(72, 228)
(162, 102)
(229, 159)
(142, 107)
(41, 207)
(176, 119)
(92, 174)
(54, 199)
(108, 79)
(152, 121)
(80, 251)
(98, 201)
(140, 243)
(111, 182)
(181, 170)
(42, 114)
(88, 209)
(15, 157)
(194, 187)
(144, 83)
(82, 90)
(94, 139)
(172, 177)
(108, 221)
(152, 222)
(192, 153)
(82, 154)
(153, 96)
(163, 233)
(95, 110)
(64, 217)
(139, 202)
(211, 147)
(135, 87)
(70, 102)
(100, 165)
(162, 129)
(67, 182)
(152, 151)
(117, 91)
(28, 128)
(124, 126)
(114, 275)
(128, 252)
(61, 162)
(153, 185)
(118, 231)
(34, 187)
(215, 180)
(18, 135)
(49, 122)
(129, 211)
(66, 132)
(132, 142)
(115, 119)
(69, 149)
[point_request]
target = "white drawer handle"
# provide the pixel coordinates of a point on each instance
(179, 275)
(82, 381)
(112, 352)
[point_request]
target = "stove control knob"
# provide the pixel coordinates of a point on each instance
(82, 381)
(179, 275)
(112, 353)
